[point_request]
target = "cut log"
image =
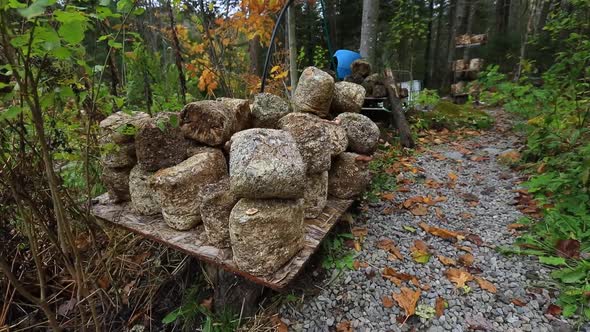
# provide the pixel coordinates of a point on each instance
(348, 97)
(362, 132)
(267, 110)
(349, 175)
(397, 113)
(314, 92)
(159, 142)
(208, 122)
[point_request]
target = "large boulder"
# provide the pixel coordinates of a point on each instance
(266, 163)
(217, 202)
(361, 67)
(266, 233)
(337, 137)
(349, 175)
(178, 187)
(362, 132)
(144, 199)
(316, 194)
(241, 109)
(116, 180)
(267, 109)
(208, 122)
(312, 139)
(159, 142)
(348, 97)
(314, 92)
(118, 155)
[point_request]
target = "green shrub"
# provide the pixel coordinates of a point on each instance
(445, 114)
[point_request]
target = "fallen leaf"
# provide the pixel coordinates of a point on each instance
(464, 248)
(65, 307)
(356, 265)
(207, 303)
(518, 302)
(568, 248)
(420, 245)
(453, 177)
(486, 285)
(357, 246)
(419, 210)
(473, 203)
(517, 226)
(439, 214)
(408, 203)
(475, 239)
(388, 196)
(420, 252)
(440, 306)
(407, 300)
(387, 301)
(104, 282)
(431, 183)
(465, 215)
(441, 232)
(363, 158)
(389, 245)
(447, 261)
(359, 232)
(344, 326)
(140, 258)
(554, 310)
(466, 260)
(459, 277)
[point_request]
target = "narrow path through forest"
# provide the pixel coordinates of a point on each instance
(456, 184)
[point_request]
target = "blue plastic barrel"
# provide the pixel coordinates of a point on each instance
(343, 59)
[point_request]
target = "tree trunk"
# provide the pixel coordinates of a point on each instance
(456, 22)
(292, 49)
(472, 10)
(254, 51)
(438, 39)
(525, 38)
(397, 113)
(369, 29)
(178, 56)
(502, 16)
(427, 55)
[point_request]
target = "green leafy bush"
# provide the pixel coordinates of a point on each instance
(445, 114)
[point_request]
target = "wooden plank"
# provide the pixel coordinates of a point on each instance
(194, 242)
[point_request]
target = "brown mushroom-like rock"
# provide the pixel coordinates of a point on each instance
(362, 132)
(361, 67)
(178, 187)
(208, 122)
(241, 109)
(267, 109)
(159, 142)
(217, 202)
(348, 97)
(349, 175)
(266, 163)
(312, 139)
(316, 194)
(116, 180)
(144, 199)
(266, 233)
(314, 92)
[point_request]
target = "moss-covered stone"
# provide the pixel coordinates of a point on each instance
(445, 114)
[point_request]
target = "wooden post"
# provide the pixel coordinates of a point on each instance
(399, 119)
(292, 49)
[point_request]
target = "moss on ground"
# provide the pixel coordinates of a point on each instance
(445, 114)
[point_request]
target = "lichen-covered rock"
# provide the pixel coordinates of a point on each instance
(116, 180)
(178, 187)
(312, 140)
(379, 91)
(159, 142)
(370, 81)
(267, 109)
(207, 121)
(337, 137)
(348, 97)
(266, 163)
(241, 109)
(316, 194)
(361, 67)
(116, 137)
(216, 205)
(118, 155)
(266, 233)
(349, 175)
(362, 132)
(144, 199)
(314, 92)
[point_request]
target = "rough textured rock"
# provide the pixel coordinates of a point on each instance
(266, 163)
(349, 176)
(178, 187)
(207, 121)
(316, 194)
(216, 205)
(143, 196)
(348, 97)
(379, 91)
(157, 148)
(266, 233)
(370, 81)
(337, 136)
(116, 180)
(312, 140)
(117, 139)
(267, 109)
(314, 92)
(241, 109)
(361, 67)
(362, 132)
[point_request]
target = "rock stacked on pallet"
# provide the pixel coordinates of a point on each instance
(281, 165)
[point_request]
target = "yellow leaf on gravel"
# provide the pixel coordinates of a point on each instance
(486, 285)
(459, 277)
(407, 300)
(447, 261)
(453, 177)
(420, 210)
(441, 232)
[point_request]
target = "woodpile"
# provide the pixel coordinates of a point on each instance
(467, 39)
(251, 173)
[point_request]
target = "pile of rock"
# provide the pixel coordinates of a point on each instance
(250, 173)
(373, 83)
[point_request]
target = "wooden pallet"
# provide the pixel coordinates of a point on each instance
(194, 242)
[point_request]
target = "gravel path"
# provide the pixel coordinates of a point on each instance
(480, 203)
